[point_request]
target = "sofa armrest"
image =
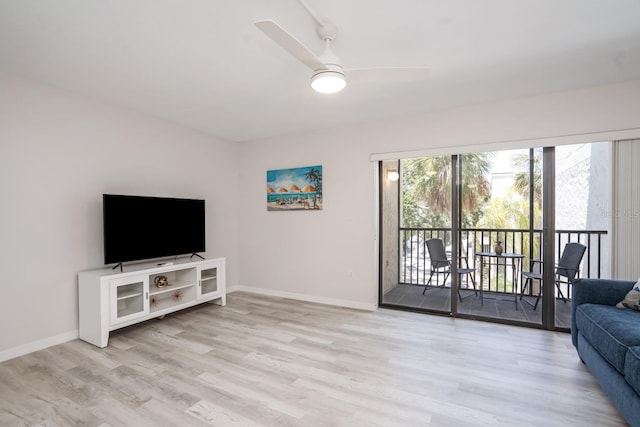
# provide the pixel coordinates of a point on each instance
(596, 291)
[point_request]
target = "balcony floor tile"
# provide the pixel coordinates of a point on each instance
(496, 306)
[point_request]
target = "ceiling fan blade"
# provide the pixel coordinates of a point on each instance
(396, 74)
(289, 43)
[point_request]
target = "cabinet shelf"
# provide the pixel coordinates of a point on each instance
(128, 294)
(171, 287)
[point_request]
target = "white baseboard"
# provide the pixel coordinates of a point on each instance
(21, 350)
(304, 297)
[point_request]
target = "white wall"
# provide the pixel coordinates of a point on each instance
(330, 255)
(323, 254)
(58, 154)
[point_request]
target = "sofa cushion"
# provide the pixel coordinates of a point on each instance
(610, 331)
(632, 368)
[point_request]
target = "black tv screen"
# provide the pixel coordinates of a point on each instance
(137, 228)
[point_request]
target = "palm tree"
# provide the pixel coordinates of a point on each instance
(427, 183)
(505, 212)
(521, 162)
(432, 182)
(475, 187)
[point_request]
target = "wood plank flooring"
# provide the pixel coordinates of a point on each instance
(264, 361)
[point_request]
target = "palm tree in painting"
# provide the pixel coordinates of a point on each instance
(315, 177)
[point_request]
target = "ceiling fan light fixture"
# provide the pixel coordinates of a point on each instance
(328, 81)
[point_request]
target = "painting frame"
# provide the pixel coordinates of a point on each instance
(295, 189)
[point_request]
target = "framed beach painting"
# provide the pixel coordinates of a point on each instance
(297, 189)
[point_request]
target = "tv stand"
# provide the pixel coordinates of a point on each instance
(116, 266)
(110, 300)
(198, 255)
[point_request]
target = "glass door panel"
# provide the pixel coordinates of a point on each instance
(498, 232)
(582, 192)
(416, 209)
(129, 298)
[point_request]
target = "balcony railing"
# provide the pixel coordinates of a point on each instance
(415, 263)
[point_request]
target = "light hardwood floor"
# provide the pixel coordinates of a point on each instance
(264, 361)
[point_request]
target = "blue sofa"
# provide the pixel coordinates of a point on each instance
(608, 341)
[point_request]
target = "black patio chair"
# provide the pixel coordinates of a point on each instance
(440, 264)
(566, 271)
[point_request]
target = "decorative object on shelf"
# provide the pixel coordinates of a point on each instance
(161, 281)
(178, 295)
(498, 249)
(295, 189)
(153, 301)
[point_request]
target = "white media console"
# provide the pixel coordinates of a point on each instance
(110, 299)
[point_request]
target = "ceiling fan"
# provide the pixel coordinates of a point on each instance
(329, 76)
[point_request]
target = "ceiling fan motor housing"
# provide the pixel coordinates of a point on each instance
(327, 31)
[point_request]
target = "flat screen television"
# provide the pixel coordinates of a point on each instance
(138, 228)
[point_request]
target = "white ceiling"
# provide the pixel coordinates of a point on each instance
(203, 64)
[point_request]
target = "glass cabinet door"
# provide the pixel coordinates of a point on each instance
(208, 282)
(129, 298)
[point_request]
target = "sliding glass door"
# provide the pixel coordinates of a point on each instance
(465, 234)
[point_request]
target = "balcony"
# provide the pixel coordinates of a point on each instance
(501, 282)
